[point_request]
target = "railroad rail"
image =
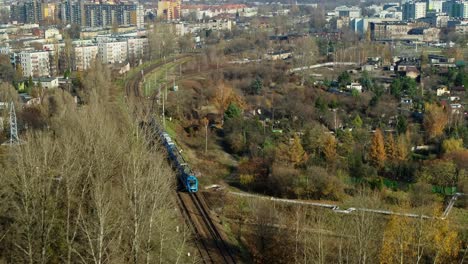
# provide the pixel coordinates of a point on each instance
(211, 244)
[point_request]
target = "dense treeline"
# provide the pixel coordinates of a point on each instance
(84, 187)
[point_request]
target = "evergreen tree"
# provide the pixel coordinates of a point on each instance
(233, 111)
(357, 122)
(256, 86)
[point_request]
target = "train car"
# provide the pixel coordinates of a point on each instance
(185, 174)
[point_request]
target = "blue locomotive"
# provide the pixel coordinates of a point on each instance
(185, 174)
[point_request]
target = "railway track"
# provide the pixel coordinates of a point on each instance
(211, 244)
(132, 85)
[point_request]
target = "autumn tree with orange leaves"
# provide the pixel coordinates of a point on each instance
(329, 148)
(377, 153)
(435, 120)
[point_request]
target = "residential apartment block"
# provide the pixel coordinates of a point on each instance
(456, 8)
(209, 11)
(137, 48)
(388, 30)
(361, 25)
(169, 9)
(84, 57)
(414, 10)
(34, 63)
(385, 31)
(112, 52)
(81, 12)
(28, 12)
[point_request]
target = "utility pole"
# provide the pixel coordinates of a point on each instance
(205, 123)
(272, 113)
(163, 113)
(334, 112)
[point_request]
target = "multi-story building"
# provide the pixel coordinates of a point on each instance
(439, 20)
(456, 8)
(435, 5)
(345, 11)
(464, 9)
(27, 12)
(71, 12)
(34, 63)
(137, 48)
(107, 15)
(169, 9)
(84, 57)
(52, 34)
(392, 12)
(220, 24)
(414, 10)
(112, 52)
(98, 14)
(361, 25)
(209, 11)
(388, 30)
(50, 11)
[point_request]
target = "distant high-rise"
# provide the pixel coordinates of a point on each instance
(456, 8)
(169, 9)
(27, 12)
(95, 14)
(414, 10)
(434, 5)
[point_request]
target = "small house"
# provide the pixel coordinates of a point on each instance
(456, 108)
(367, 67)
(442, 90)
(46, 82)
(412, 72)
(354, 86)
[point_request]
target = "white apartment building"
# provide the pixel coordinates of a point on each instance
(34, 63)
(84, 57)
(136, 48)
(220, 24)
(209, 11)
(464, 9)
(140, 17)
(112, 52)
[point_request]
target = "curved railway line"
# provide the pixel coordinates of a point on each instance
(211, 242)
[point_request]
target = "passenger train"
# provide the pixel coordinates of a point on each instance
(184, 172)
